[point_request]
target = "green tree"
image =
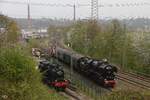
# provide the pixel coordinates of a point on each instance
(129, 51)
(115, 39)
(9, 31)
(83, 35)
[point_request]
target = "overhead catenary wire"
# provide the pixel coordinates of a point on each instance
(78, 5)
(37, 4)
(136, 4)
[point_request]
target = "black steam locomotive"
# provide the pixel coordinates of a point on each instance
(53, 75)
(99, 71)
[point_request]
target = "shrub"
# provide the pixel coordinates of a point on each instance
(19, 79)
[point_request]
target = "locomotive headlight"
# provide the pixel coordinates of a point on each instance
(108, 68)
(106, 82)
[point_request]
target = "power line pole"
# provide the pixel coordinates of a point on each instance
(74, 12)
(29, 18)
(94, 10)
(1, 13)
(124, 60)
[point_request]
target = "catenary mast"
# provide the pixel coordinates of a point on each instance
(94, 10)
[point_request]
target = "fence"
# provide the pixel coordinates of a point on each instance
(85, 85)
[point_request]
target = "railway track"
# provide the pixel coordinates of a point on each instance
(134, 79)
(72, 95)
(146, 79)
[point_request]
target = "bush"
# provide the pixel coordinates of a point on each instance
(19, 80)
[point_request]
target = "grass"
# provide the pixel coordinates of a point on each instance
(127, 95)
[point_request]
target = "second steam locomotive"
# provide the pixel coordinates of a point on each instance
(53, 75)
(100, 71)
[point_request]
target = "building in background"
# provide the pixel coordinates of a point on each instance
(34, 34)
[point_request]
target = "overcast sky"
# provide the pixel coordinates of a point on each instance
(16, 10)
